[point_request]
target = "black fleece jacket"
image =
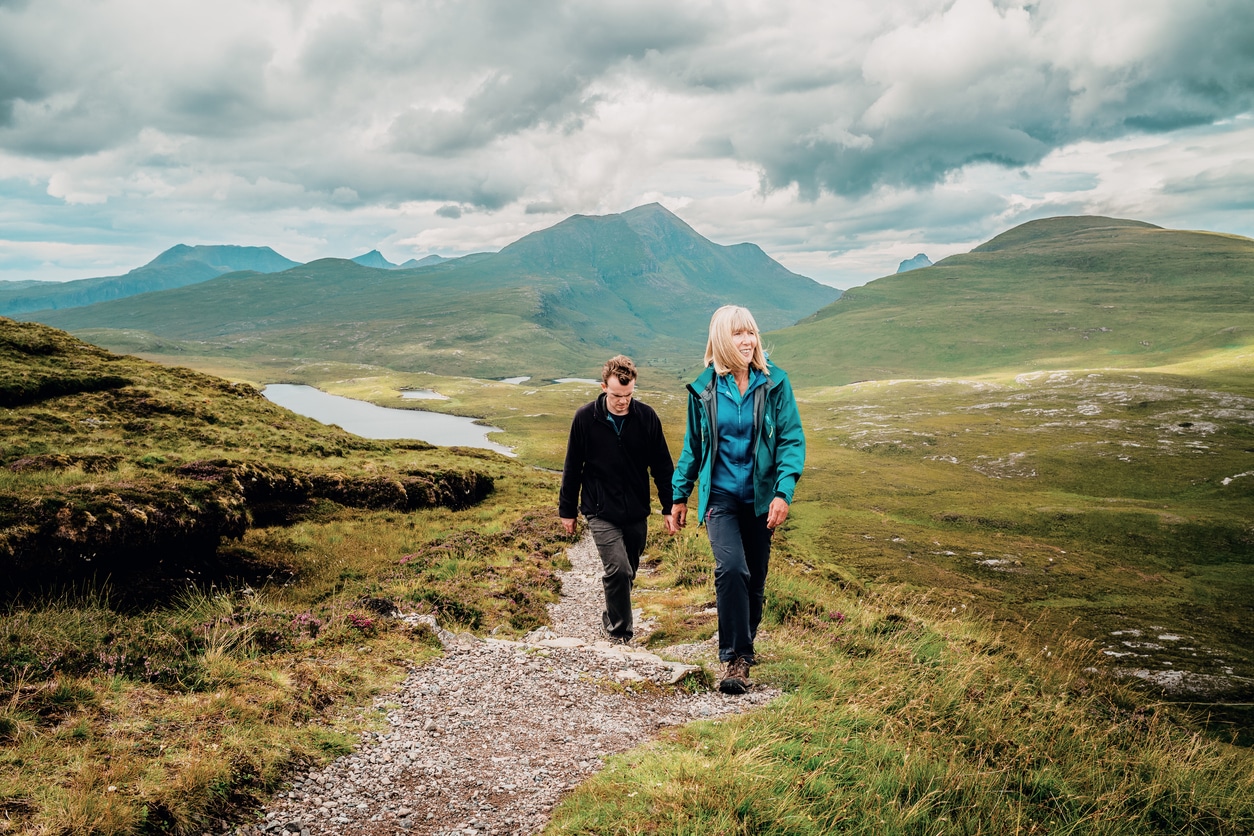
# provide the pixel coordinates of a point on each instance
(606, 473)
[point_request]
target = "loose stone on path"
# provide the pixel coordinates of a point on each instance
(488, 738)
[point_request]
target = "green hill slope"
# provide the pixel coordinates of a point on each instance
(176, 267)
(1055, 293)
(553, 303)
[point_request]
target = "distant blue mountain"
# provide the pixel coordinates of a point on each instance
(226, 258)
(178, 266)
(374, 258)
(919, 261)
(423, 262)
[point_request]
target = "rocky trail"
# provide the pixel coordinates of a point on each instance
(486, 739)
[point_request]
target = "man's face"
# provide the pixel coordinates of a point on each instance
(618, 395)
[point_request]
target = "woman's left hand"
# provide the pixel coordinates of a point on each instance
(777, 513)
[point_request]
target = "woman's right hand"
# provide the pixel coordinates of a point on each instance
(679, 511)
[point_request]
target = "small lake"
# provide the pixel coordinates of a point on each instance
(422, 395)
(370, 421)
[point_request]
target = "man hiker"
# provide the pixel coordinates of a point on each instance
(615, 444)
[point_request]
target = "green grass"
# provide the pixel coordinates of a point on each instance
(924, 690)
(1078, 502)
(1057, 293)
(1089, 498)
(192, 694)
(903, 715)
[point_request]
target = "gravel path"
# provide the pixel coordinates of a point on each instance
(488, 738)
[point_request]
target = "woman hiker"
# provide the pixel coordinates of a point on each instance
(744, 442)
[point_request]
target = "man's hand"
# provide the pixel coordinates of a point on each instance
(777, 513)
(679, 513)
(671, 528)
(569, 525)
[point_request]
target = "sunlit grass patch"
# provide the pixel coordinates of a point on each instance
(920, 726)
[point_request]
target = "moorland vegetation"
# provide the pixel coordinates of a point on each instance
(1009, 599)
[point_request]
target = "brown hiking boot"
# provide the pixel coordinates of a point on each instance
(735, 679)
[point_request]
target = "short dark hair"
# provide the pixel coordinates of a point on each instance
(619, 366)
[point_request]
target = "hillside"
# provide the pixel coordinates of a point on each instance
(1082, 292)
(554, 303)
(176, 267)
(113, 466)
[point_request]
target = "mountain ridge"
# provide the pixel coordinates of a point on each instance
(555, 301)
(179, 266)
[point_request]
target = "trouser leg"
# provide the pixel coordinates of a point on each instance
(741, 543)
(620, 547)
(756, 538)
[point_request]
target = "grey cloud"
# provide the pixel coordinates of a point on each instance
(1226, 189)
(48, 132)
(538, 72)
(84, 96)
(20, 78)
(1204, 72)
(504, 105)
(543, 207)
(449, 211)
(227, 98)
(707, 147)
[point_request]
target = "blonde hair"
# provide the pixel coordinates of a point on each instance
(719, 348)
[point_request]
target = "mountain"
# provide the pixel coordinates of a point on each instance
(646, 270)
(1068, 292)
(915, 263)
(178, 266)
(423, 262)
(554, 303)
(374, 258)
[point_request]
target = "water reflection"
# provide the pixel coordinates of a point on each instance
(370, 421)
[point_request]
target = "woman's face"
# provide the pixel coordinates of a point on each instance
(745, 342)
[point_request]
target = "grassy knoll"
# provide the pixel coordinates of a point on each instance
(1056, 293)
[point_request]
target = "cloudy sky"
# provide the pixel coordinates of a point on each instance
(842, 136)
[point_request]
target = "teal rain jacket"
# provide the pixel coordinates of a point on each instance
(779, 444)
